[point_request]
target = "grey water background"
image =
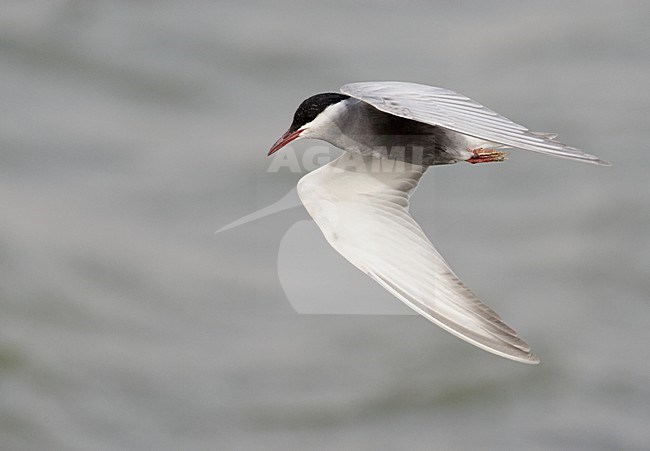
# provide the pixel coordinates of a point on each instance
(131, 131)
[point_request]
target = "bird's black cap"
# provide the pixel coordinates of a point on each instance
(313, 106)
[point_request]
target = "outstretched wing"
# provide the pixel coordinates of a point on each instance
(361, 205)
(448, 109)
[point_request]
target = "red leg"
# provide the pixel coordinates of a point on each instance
(481, 155)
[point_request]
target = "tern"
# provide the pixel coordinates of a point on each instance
(391, 133)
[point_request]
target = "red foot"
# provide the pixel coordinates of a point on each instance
(481, 155)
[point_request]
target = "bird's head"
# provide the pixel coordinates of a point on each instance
(312, 119)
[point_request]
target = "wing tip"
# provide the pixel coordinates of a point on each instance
(532, 360)
(574, 154)
(521, 357)
(512, 353)
(594, 160)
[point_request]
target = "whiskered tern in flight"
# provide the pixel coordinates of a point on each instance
(392, 132)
